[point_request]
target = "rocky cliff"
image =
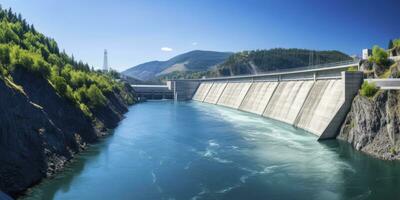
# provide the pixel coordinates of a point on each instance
(40, 131)
(372, 125)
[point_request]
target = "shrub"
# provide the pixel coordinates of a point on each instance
(379, 56)
(393, 151)
(41, 67)
(95, 97)
(352, 69)
(62, 87)
(78, 78)
(4, 54)
(85, 110)
(396, 43)
(92, 96)
(80, 94)
(59, 84)
(368, 89)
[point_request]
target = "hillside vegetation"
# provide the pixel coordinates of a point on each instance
(23, 48)
(260, 61)
(52, 106)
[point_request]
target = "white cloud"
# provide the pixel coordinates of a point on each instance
(166, 49)
(194, 43)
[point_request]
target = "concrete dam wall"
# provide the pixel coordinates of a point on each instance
(317, 106)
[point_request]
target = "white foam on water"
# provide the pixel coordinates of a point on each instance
(212, 143)
(225, 190)
(153, 176)
(187, 166)
(220, 160)
(201, 193)
(273, 141)
(208, 153)
(266, 170)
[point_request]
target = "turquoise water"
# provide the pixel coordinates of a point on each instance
(190, 150)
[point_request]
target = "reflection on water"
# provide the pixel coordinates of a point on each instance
(167, 150)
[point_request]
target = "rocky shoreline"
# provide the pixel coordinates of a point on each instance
(41, 131)
(372, 125)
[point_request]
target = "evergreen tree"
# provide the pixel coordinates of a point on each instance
(390, 45)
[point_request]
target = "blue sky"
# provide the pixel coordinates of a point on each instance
(139, 31)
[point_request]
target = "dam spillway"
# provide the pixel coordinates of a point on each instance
(315, 105)
(233, 94)
(315, 98)
(287, 100)
(215, 91)
(258, 97)
(323, 102)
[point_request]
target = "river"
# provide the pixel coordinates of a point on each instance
(191, 150)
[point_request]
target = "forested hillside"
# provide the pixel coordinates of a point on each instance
(260, 61)
(51, 106)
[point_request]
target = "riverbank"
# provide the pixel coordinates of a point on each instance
(41, 130)
(372, 125)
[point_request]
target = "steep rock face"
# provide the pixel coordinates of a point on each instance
(40, 131)
(24, 128)
(372, 125)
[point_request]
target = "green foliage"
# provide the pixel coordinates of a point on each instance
(379, 56)
(4, 54)
(114, 74)
(95, 96)
(92, 96)
(396, 43)
(393, 151)
(62, 88)
(85, 110)
(250, 62)
(368, 89)
(22, 47)
(352, 69)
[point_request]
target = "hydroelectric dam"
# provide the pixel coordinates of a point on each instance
(315, 98)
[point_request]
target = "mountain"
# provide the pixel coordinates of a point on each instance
(261, 61)
(193, 61)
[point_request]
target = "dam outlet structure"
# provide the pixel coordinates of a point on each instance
(315, 100)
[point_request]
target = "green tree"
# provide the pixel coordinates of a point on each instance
(390, 45)
(396, 43)
(379, 56)
(95, 97)
(4, 54)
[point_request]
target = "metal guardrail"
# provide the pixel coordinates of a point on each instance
(325, 65)
(386, 84)
(150, 86)
(346, 63)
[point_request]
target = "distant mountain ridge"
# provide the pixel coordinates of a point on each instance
(193, 61)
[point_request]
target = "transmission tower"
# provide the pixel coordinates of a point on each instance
(311, 58)
(105, 63)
